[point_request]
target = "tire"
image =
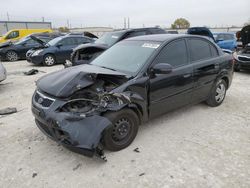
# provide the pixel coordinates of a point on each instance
(11, 56)
(125, 124)
(236, 68)
(49, 60)
(218, 94)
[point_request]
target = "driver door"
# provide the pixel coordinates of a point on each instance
(172, 90)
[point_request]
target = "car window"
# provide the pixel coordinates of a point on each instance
(46, 39)
(214, 51)
(157, 31)
(68, 41)
(136, 33)
(199, 49)
(31, 42)
(174, 54)
(228, 37)
(12, 35)
(82, 40)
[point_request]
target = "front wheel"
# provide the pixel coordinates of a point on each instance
(11, 56)
(218, 94)
(125, 124)
(49, 60)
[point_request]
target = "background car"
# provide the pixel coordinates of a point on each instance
(226, 40)
(16, 51)
(3, 73)
(87, 53)
(57, 50)
(242, 57)
(202, 31)
(15, 35)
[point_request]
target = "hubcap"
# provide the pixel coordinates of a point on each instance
(220, 93)
(12, 56)
(49, 60)
(121, 130)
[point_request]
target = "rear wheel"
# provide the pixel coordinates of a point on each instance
(218, 93)
(49, 60)
(123, 131)
(11, 56)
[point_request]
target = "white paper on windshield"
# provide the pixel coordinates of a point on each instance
(150, 45)
(114, 37)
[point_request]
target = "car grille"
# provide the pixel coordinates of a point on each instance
(242, 58)
(42, 100)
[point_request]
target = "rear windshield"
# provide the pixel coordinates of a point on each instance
(109, 38)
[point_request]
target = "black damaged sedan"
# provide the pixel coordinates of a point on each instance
(100, 105)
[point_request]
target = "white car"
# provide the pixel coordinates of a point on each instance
(3, 73)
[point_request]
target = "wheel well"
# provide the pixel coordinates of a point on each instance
(226, 80)
(49, 54)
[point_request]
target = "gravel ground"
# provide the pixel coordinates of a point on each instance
(196, 146)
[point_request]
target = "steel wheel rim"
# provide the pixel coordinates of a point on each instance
(49, 60)
(220, 93)
(12, 56)
(122, 131)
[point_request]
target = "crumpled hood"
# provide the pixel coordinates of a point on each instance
(39, 40)
(65, 82)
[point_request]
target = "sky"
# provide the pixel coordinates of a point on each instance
(111, 13)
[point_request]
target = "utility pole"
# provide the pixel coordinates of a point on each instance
(125, 24)
(128, 23)
(68, 23)
(8, 16)
(42, 19)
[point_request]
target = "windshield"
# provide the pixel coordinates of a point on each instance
(109, 38)
(22, 40)
(127, 57)
(54, 41)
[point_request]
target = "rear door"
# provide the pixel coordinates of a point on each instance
(205, 60)
(170, 91)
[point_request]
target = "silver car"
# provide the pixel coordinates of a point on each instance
(3, 73)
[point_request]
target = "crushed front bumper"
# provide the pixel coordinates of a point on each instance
(78, 134)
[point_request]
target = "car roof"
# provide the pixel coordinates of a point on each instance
(163, 37)
(231, 33)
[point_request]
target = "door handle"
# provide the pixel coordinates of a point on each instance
(187, 75)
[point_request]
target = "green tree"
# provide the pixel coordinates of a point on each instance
(63, 29)
(180, 23)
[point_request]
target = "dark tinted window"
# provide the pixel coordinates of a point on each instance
(174, 54)
(31, 42)
(214, 51)
(228, 37)
(82, 40)
(13, 34)
(157, 31)
(136, 33)
(68, 41)
(199, 49)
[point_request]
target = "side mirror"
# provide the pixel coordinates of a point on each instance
(162, 68)
(24, 44)
(59, 45)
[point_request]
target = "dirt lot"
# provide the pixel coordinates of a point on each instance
(196, 146)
